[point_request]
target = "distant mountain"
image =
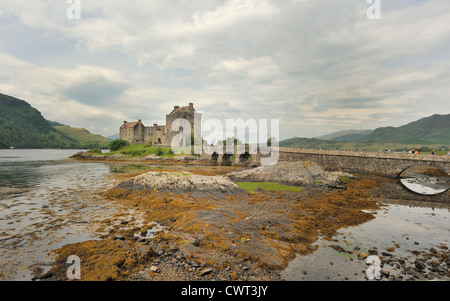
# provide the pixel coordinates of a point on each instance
(433, 129)
(114, 137)
(83, 137)
(426, 133)
(22, 126)
(346, 135)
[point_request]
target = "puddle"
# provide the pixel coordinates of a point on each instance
(151, 232)
(406, 231)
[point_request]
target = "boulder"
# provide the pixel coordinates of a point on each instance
(290, 173)
(152, 157)
(180, 182)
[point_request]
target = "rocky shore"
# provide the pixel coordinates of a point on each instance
(428, 264)
(195, 227)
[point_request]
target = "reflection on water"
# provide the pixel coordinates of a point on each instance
(425, 180)
(21, 155)
(428, 186)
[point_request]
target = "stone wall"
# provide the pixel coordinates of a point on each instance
(385, 164)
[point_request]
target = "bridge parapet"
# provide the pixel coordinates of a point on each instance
(387, 155)
(386, 164)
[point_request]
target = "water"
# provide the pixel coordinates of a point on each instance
(425, 180)
(426, 186)
(47, 201)
(21, 155)
(403, 228)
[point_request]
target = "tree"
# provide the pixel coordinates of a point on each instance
(231, 140)
(118, 144)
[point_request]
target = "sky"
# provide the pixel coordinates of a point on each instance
(317, 66)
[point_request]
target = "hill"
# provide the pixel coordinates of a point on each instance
(346, 135)
(83, 137)
(428, 130)
(22, 126)
(114, 137)
(424, 134)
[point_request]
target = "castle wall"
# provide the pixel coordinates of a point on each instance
(158, 135)
(161, 134)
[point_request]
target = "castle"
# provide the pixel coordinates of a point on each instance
(136, 132)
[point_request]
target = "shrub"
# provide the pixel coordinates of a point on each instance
(118, 144)
(159, 151)
(95, 151)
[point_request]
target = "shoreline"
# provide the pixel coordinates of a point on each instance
(206, 240)
(248, 237)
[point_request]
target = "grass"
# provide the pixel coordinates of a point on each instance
(252, 186)
(142, 150)
(344, 180)
(307, 143)
(84, 137)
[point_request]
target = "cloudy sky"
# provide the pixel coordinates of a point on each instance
(316, 65)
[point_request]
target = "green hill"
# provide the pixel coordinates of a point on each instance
(428, 130)
(83, 137)
(346, 135)
(424, 134)
(22, 126)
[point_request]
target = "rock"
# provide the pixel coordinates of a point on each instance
(397, 278)
(419, 264)
(362, 255)
(290, 173)
(185, 158)
(180, 182)
(434, 262)
(153, 269)
(152, 157)
(373, 252)
(118, 237)
(206, 271)
(386, 254)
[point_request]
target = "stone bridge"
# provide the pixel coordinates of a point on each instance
(384, 164)
(389, 165)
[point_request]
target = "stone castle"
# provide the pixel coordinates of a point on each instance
(136, 132)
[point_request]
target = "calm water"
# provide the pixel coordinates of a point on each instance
(404, 228)
(47, 201)
(417, 179)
